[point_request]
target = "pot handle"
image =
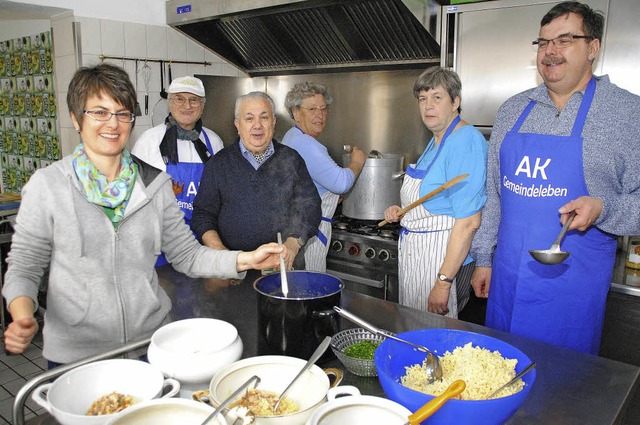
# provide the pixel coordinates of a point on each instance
(398, 176)
(337, 376)
(175, 387)
(38, 396)
(341, 391)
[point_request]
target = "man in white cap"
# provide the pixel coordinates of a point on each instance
(181, 145)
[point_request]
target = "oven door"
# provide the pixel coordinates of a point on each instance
(370, 281)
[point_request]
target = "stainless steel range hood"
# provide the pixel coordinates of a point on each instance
(282, 37)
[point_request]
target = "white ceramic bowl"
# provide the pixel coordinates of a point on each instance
(192, 350)
(358, 409)
(171, 411)
(275, 372)
(71, 394)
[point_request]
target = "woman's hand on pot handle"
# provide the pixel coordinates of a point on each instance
(391, 214)
(293, 247)
(266, 256)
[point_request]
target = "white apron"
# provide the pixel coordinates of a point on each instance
(315, 254)
(421, 250)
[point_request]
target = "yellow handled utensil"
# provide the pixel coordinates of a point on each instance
(432, 406)
(454, 181)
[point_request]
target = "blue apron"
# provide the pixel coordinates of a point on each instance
(189, 174)
(560, 304)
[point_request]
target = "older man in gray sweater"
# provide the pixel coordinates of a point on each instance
(569, 145)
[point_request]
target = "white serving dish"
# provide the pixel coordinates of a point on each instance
(275, 373)
(357, 409)
(170, 411)
(69, 397)
(192, 350)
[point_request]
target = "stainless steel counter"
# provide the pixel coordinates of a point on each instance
(571, 387)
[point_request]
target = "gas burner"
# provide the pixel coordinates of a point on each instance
(386, 233)
(364, 230)
(341, 225)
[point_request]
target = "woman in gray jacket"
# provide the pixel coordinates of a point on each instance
(98, 219)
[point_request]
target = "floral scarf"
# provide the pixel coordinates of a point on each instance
(98, 190)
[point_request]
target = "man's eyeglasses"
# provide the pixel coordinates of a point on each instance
(314, 110)
(193, 101)
(102, 115)
(561, 41)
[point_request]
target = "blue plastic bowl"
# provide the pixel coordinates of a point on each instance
(392, 357)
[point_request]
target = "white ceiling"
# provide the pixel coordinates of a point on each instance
(10, 10)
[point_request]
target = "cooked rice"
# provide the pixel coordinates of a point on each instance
(261, 402)
(482, 370)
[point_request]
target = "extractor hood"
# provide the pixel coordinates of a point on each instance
(281, 37)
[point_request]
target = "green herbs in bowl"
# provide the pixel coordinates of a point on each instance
(362, 350)
(355, 348)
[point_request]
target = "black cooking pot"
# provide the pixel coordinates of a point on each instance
(296, 324)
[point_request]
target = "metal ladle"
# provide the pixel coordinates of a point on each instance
(432, 364)
(232, 397)
(312, 360)
(553, 255)
(513, 381)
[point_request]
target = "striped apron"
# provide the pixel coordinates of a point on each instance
(315, 254)
(422, 248)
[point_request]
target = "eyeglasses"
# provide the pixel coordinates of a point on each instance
(314, 110)
(102, 115)
(561, 41)
(193, 101)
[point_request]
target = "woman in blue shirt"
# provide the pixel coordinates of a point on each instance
(308, 104)
(436, 236)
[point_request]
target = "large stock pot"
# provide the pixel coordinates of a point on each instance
(377, 187)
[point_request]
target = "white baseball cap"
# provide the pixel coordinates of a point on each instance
(187, 85)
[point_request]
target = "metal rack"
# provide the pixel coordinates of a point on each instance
(125, 58)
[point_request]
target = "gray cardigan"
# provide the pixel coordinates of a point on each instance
(610, 156)
(103, 289)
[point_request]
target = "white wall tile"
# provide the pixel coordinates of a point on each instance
(135, 36)
(195, 52)
(65, 68)
(179, 70)
(91, 42)
(63, 34)
(69, 139)
(90, 60)
(176, 45)
(156, 42)
(64, 119)
(112, 34)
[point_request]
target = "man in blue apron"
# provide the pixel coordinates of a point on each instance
(181, 145)
(571, 144)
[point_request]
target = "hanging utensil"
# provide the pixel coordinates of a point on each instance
(137, 112)
(161, 108)
(312, 360)
(146, 78)
(514, 380)
(553, 255)
(170, 77)
(454, 181)
(163, 92)
(283, 270)
(431, 407)
(232, 397)
(432, 364)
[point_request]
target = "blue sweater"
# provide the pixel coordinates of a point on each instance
(248, 207)
(610, 156)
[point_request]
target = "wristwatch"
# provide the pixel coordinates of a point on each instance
(444, 278)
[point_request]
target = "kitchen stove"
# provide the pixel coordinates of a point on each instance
(365, 256)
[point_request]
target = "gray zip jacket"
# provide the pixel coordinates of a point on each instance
(103, 289)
